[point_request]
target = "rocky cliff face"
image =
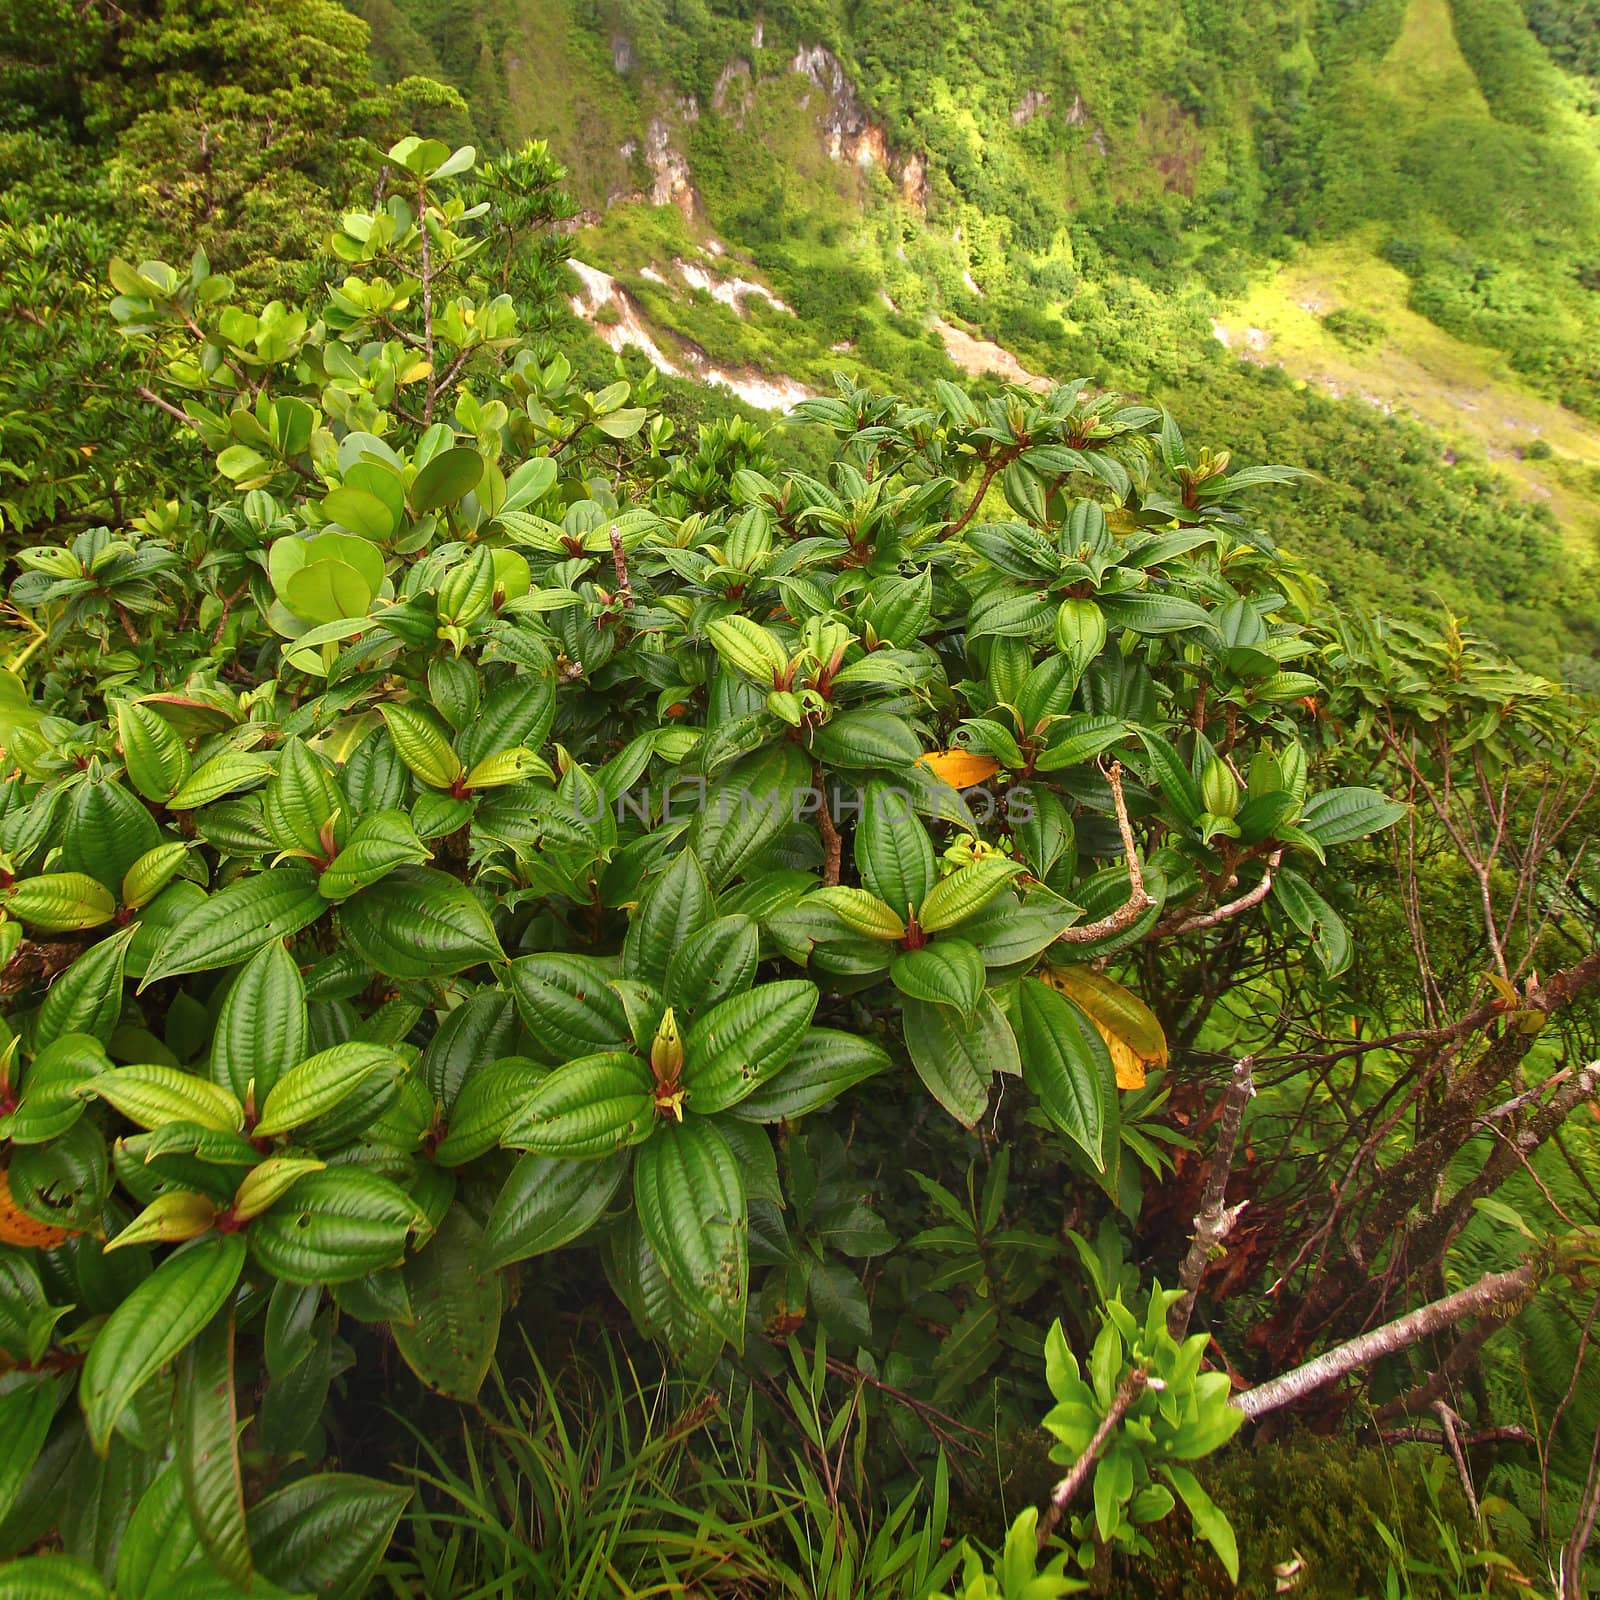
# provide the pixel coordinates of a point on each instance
(849, 130)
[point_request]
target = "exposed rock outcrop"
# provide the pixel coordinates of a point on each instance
(849, 131)
(616, 317)
(1035, 103)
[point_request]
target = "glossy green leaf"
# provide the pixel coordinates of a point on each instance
(207, 1427)
(60, 902)
(567, 1004)
(956, 1059)
(261, 1028)
(419, 923)
(25, 1415)
(742, 1042)
(222, 774)
(865, 739)
(54, 1577)
(691, 1206)
(547, 1202)
(717, 962)
(676, 905)
(948, 972)
(965, 892)
(157, 761)
(152, 1325)
(316, 1086)
(487, 1102)
(333, 1226)
(235, 922)
(153, 1095)
(326, 1533)
(87, 997)
(893, 851)
(447, 478)
(1065, 1063)
(591, 1107)
(1338, 816)
(456, 1304)
(422, 744)
(824, 1064)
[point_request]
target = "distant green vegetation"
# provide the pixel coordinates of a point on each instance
(1090, 195)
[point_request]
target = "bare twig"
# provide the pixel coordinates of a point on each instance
(1062, 1496)
(1214, 1221)
(1450, 1422)
(1138, 901)
(1220, 914)
(983, 488)
(619, 560)
(1512, 1433)
(1491, 1292)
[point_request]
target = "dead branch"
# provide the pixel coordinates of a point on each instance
(1491, 1292)
(1214, 1221)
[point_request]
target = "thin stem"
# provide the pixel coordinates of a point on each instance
(1065, 1492)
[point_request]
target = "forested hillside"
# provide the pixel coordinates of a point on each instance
(799, 802)
(1111, 194)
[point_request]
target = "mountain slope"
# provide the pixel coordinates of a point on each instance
(922, 182)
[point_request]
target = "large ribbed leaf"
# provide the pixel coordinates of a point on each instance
(824, 1064)
(207, 1448)
(1065, 1063)
(1315, 918)
(691, 1205)
(152, 1325)
(713, 964)
(153, 1096)
(567, 1005)
(949, 972)
(325, 1534)
(455, 1303)
(956, 1059)
(486, 1104)
(893, 851)
(316, 1086)
(52, 1577)
(965, 892)
(236, 921)
(25, 1415)
(302, 799)
(594, 1106)
(746, 809)
(419, 923)
(676, 905)
(261, 1029)
(737, 1045)
(547, 1202)
(87, 997)
(481, 1029)
(333, 1226)
(1336, 816)
(159, 1541)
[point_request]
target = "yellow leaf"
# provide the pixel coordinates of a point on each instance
(1129, 1067)
(1131, 1030)
(417, 369)
(17, 1227)
(959, 768)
